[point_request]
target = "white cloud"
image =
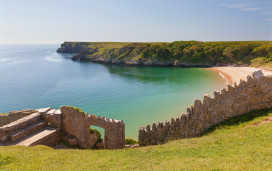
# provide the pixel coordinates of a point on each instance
(242, 7)
(267, 13)
(237, 6)
(250, 9)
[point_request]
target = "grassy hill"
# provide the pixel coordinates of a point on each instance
(178, 53)
(242, 143)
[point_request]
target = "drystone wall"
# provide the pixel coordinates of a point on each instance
(253, 94)
(77, 124)
(13, 116)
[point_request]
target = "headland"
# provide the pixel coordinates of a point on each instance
(177, 53)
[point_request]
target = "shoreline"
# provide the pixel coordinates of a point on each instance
(234, 74)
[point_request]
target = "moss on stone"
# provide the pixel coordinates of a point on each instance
(77, 109)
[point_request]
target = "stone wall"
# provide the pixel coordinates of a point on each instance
(253, 94)
(67, 123)
(13, 116)
(53, 117)
(77, 124)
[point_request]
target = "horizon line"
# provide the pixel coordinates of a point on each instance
(137, 42)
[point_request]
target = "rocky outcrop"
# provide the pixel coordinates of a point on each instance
(72, 47)
(83, 54)
(250, 95)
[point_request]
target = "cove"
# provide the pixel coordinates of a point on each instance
(35, 76)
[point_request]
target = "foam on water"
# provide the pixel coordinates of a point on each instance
(4, 60)
(19, 51)
(10, 61)
(52, 59)
(222, 75)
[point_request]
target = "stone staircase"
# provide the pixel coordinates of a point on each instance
(28, 131)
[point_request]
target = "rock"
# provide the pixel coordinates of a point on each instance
(258, 74)
(70, 140)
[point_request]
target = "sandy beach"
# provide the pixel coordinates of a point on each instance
(234, 74)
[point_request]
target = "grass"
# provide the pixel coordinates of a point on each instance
(232, 145)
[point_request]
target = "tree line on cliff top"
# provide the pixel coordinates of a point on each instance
(206, 52)
(195, 52)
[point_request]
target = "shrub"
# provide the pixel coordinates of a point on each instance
(98, 134)
(99, 139)
(259, 61)
(131, 141)
(92, 130)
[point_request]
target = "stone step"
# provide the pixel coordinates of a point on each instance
(47, 136)
(21, 123)
(27, 131)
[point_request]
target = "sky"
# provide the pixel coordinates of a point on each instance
(56, 21)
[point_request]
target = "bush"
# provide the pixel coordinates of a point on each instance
(92, 130)
(259, 61)
(131, 141)
(99, 139)
(98, 134)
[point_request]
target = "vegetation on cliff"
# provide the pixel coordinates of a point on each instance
(242, 143)
(178, 53)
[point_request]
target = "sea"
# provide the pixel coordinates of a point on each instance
(35, 76)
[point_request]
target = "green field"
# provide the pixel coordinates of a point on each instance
(237, 144)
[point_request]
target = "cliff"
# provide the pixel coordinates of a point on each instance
(179, 53)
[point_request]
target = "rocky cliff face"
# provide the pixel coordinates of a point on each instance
(71, 47)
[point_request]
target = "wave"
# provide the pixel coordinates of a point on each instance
(222, 75)
(9, 61)
(20, 51)
(52, 59)
(4, 60)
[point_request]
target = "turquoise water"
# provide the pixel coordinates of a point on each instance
(36, 77)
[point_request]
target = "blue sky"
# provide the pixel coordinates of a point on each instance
(56, 21)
